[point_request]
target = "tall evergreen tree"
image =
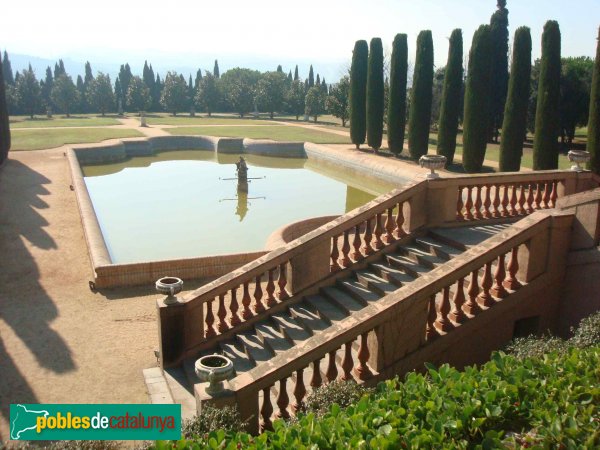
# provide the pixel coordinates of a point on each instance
(150, 82)
(547, 119)
(59, 69)
(375, 94)
(198, 79)
(450, 107)
(311, 77)
(420, 97)
(593, 137)
(296, 77)
(4, 122)
(396, 119)
(157, 94)
(289, 77)
(7, 70)
(477, 101)
(89, 75)
(125, 76)
(82, 107)
(499, 80)
(514, 127)
(279, 68)
(318, 82)
(47, 88)
(216, 72)
(119, 94)
(324, 86)
(358, 93)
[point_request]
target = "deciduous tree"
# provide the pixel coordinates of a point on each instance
(338, 100)
(174, 94)
(28, 92)
(138, 95)
(100, 94)
(64, 94)
(315, 102)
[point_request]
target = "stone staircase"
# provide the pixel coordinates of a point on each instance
(313, 313)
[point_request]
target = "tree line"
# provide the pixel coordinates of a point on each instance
(238, 90)
(550, 99)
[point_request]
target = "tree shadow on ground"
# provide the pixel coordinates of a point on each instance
(25, 306)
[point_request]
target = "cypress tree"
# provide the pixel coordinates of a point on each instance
(47, 87)
(375, 95)
(499, 80)
(593, 137)
(547, 120)
(318, 80)
(4, 122)
(296, 77)
(477, 101)
(289, 77)
(7, 70)
(311, 77)
(396, 121)
(89, 76)
(450, 107)
(514, 126)
(216, 73)
(421, 97)
(358, 93)
(279, 68)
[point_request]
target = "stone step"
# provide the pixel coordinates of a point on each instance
(291, 328)
(374, 283)
(235, 351)
(420, 256)
(343, 300)
(302, 312)
(405, 264)
(357, 291)
(326, 309)
(389, 273)
(254, 348)
(438, 248)
(271, 337)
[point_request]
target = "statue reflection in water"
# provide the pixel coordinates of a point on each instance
(242, 189)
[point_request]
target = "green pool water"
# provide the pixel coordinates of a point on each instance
(184, 203)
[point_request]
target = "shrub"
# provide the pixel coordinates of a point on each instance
(536, 346)
(226, 418)
(587, 333)
(342, 393)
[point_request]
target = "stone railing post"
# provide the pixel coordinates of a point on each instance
(442, 196)
(533, 256)
(180, 327)
(310, 266)
(416, 216)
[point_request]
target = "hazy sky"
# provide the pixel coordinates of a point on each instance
(307, 30)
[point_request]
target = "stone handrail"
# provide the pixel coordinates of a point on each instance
(413, 306)
(276, 277)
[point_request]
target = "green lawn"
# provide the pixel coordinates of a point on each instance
(275, 132)
(39, 139)
(73, 121)
(202, 120)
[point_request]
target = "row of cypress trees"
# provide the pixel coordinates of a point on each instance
(4, 124)
(593, 131)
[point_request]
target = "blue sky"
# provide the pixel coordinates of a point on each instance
(240, 32)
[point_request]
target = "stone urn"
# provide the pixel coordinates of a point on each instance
(170, 286)
(214, 369)
(432, 162)
(578, 156)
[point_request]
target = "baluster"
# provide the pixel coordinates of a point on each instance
(356, 255)
(487, 202)
(530, 199)
(442, 323)
(485, 299)
(400, 221)
(246, 312)
(222, 314)
(554, 193)
(430, 330)
(460, 204)
(283, 400)
(378, 232)
(522, 199)
(234, 307)
(266, 410)
(546, 199)
(368, 249)
(258, 293)
(282, 282)
(511, 281)
(456, 314)
(498, 290)
(316, 379)
(496, 202)
(362, 371)
(469, 204)
(505, 201)
(332, 371)
(471, 306)
(347, 362)
(335, 253)
(271, 290)
(210, 320)
(345, 260)
(389, 226)
(513, 200)
(299, 392)
(538, 195)
(477, 205)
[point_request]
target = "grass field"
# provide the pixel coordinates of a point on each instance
(17, 122)
(202, 120)
(274, 132)
(39, 139)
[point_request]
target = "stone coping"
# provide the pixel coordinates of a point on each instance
(107, 274)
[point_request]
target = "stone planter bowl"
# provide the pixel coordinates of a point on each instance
(170, 286)
(432, 162)
(215, 369)
(578, 156)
